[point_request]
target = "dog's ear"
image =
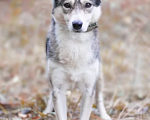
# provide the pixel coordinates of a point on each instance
(97, 2)
(56, 3)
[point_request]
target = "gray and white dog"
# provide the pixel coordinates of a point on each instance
(73, 60)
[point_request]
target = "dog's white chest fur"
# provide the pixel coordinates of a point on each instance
(74, 53)
(74, 49)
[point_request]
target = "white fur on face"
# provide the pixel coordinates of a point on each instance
(78, 13)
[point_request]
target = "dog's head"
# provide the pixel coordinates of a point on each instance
(76, 15)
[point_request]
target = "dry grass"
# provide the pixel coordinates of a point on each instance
(125, 49)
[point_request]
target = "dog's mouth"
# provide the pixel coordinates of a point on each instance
(77, 31)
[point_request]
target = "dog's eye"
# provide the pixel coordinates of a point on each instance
(67, 5)
(88, 5)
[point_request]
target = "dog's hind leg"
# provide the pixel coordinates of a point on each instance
(99, 97)
(101, 107)
(50, 106)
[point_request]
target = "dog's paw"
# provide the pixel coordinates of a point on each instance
(106, 117)
(46, 112)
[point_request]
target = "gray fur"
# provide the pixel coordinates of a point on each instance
(51, 44)
(95, 46)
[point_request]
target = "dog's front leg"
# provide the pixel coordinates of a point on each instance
(60, 106)
(87, 103)
(59, 87)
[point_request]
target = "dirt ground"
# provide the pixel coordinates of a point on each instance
(124, 32)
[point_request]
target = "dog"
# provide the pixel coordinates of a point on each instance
(73, 60)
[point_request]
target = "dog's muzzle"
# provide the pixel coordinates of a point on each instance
(77, 25)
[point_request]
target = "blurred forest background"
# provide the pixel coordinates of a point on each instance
(124, 32)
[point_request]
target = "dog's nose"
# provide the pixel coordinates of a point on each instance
(77, 25)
